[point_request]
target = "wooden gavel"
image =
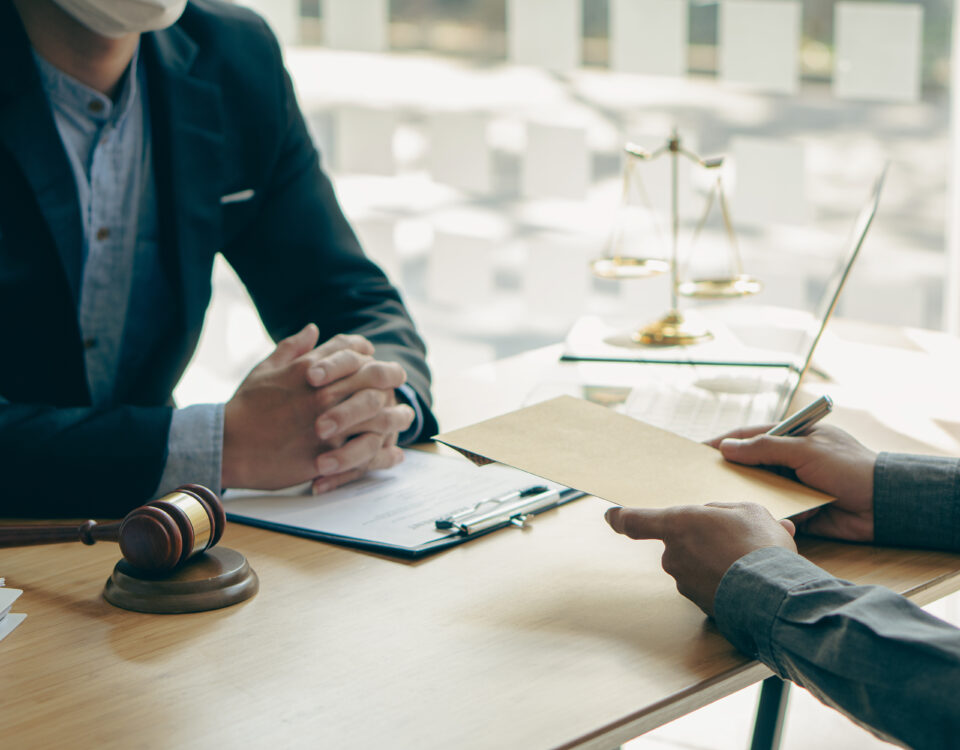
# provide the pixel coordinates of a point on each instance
(155, 537)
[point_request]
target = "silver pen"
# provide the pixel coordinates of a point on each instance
(499, 503)
(804, 419)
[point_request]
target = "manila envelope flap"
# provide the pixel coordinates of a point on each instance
(622, 460)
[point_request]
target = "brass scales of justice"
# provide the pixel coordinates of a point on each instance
(672, 329)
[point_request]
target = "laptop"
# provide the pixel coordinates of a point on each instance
(748, 375)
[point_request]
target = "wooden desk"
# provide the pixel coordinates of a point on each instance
(561, 636)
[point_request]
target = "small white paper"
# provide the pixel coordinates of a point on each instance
(759, 44)
(360, 25)
(546, 33)
(460, 270)
(878, 49)
(459, 154)
(8, 623)
(364, 141)
(283, 17)
(649, 36)
(770, 182)
(556, 162)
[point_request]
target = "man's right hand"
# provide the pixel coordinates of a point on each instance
(269, 439)
(827, 459)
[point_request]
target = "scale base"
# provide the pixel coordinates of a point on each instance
(218, 578)
(671, 330)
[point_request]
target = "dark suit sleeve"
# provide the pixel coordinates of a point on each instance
(61, 462)
(301, 261)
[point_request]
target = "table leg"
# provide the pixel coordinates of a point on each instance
(771, 708)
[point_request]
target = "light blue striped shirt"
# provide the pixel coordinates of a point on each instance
(121, 311)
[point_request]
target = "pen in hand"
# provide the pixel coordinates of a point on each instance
(803, 420)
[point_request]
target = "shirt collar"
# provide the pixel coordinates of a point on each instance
(68, 93)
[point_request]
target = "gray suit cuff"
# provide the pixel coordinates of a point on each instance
(751, 594)
(916, 501)
(194, 448)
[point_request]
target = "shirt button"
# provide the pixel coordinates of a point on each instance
(103, 233)
(95, 106)
(90, 342)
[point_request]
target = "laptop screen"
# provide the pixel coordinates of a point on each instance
(810, 335)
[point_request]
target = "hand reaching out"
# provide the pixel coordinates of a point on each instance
(702, 542)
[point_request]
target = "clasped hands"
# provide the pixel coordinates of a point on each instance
(702, 542)
(325, 414)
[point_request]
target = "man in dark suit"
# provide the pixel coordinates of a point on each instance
(137, 140)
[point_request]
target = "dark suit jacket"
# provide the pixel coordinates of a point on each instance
(224, 118)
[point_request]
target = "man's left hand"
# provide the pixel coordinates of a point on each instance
(702, 542)
(359, 393)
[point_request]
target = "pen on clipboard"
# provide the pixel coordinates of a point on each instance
(804, 419)
(511, 507)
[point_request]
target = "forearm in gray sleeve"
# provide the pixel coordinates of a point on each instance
(864, 650)
(916, 501)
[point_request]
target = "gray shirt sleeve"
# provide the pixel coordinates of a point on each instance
(916, 501)
(864, 650)
(194, 448)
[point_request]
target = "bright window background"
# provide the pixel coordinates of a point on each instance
(476, 147)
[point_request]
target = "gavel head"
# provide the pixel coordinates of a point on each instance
(160, 535)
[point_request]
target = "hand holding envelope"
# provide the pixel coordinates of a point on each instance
(623, 460)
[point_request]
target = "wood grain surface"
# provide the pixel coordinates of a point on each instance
(560, 635)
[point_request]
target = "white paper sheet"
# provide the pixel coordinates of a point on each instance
(8, 620)
(878, 51)
(649, 36)
(397, 507)
(759, 44)
(556, 162)
(360, 25)
(546, 33)
(8, 623)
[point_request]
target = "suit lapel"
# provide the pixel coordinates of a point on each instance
(187, 133)
(29, 132)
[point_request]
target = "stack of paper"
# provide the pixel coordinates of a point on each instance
(8, 620)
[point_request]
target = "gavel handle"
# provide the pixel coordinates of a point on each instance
(88, 532)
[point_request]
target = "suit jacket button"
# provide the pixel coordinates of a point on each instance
(90, 342)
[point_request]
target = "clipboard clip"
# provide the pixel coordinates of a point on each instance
(513, 508)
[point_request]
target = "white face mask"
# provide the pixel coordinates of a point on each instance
(117, 18)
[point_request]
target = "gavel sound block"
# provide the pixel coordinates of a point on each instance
(170, 565)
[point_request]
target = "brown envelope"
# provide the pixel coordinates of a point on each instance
(617, 458)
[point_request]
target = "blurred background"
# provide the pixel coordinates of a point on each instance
(477, 148)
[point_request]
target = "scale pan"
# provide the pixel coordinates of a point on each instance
(740, 285)
(628, 268)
